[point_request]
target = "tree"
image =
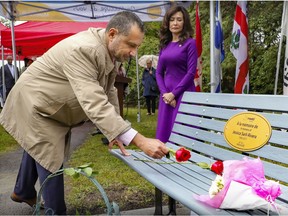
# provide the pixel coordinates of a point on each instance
(149, 46)
(5, 22)
(264, 21)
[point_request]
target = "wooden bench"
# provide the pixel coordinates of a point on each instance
(199, 126)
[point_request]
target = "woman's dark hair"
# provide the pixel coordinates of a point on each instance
(123, 22)
(166, 35)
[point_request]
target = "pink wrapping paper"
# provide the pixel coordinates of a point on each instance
(248, 172)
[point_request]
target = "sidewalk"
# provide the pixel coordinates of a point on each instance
(9, 165)
(181, 210)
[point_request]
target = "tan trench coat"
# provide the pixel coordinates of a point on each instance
(70, 82)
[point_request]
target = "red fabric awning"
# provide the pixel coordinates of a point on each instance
(2, 27)
(35, 38)
(6, 51)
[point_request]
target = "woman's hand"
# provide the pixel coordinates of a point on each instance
(168, 97)
(120, 145)
(173, 103)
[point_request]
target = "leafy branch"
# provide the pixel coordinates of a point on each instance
(5, 22)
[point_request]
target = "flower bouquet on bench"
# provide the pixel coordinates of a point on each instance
(241, 185)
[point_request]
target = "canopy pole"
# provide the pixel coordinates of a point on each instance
(12, 19)
(138, 89)
(3, 78)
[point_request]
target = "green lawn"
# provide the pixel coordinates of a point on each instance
(7, 143)
(122, 184)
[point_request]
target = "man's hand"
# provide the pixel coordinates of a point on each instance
(120, 145)
(152, 147)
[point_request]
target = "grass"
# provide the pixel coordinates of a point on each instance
(8, 143)
(122, 185)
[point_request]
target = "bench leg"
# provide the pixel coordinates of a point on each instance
(172, 206)
(158, 202)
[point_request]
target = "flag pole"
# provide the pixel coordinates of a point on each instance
(280, 48)
(219, 52)
(198, 75)
(212, 33)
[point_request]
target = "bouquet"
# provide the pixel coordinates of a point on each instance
(241, 185)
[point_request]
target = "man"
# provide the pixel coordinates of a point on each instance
(9, 76)
(71, 82)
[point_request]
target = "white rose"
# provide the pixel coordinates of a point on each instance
(216, 186)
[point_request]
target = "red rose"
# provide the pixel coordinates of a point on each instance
(182, 154)
(217, 167)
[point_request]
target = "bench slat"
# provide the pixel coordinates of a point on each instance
(249, 101)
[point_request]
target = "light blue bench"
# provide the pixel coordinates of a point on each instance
(199, 127)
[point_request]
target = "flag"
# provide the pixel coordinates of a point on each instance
(285, 28)
(198, 75)
(219, 53)
(239, 48)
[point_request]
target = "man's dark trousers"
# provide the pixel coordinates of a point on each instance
(53, 193)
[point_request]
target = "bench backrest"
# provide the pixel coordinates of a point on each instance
(202, 117)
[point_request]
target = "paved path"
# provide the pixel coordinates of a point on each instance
(9, 165)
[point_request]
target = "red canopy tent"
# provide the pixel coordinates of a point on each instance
(6, 51)
(35, 38)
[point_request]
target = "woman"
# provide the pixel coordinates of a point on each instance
(150, 87)
(176, 67)
(27, 63)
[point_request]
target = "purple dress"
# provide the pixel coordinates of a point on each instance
(175, 73)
